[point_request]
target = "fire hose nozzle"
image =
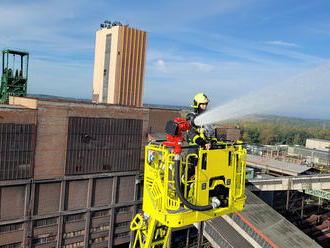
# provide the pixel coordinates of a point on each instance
(174, 130)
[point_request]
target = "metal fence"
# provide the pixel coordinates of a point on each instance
(16, 150)
(103, 145)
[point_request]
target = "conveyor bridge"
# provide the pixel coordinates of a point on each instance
(309, 182)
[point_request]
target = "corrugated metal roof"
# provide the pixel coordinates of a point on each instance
(222, 232)
(277, 165)
(273, 225)
(263, 218)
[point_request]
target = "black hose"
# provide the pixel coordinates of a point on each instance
(189, 146)
(181, 196)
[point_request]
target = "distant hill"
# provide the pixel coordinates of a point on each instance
(57, 97)
(178, 107)
(291, 121)
(166, 106)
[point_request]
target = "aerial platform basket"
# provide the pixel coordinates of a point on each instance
(219, 176)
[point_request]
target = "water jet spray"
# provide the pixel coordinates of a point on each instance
(296, 94)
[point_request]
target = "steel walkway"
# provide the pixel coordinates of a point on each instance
(313, 182)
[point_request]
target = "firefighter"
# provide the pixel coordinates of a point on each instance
(203, 136)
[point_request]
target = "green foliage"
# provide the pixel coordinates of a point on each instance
(270, 133)
(291, 121)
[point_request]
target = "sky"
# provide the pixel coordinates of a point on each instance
(225, 49)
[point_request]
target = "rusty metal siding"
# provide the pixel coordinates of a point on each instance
(16, 150)
(103, 145)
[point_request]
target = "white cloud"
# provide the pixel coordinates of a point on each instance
(202, 66)
(160, 63)
(281, 43)
(239, 49)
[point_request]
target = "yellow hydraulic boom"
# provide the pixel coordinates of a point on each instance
(171, 199)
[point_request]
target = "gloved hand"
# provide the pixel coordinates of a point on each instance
(201, 142)
(213, 143)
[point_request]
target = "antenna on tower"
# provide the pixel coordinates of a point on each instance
(106, 24)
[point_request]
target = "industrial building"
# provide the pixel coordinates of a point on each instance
(310, 156)
(71, 171)
(313, 157)
(319, 144)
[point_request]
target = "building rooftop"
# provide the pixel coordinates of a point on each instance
(273, 225)
(259, 221)
(275, 165)
(3, 106)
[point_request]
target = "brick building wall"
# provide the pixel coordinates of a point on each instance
(51, 208)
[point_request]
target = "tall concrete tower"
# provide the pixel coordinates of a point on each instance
(119, 67)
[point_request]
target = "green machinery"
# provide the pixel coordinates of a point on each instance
(14, 74)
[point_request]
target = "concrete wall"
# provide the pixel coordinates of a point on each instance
(47, 198)
(126, 68)
(99, 69)
(12, 202)
(317, 144)
(71, 210)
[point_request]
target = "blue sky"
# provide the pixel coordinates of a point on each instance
(226, 49)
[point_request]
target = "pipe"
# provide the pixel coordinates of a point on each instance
(181, 196)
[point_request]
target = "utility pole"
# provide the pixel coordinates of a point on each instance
(187, 240)
(302, 206)
(200, 235)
